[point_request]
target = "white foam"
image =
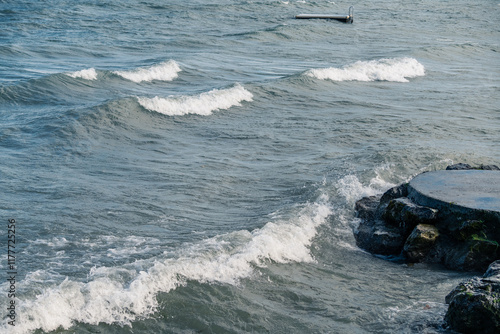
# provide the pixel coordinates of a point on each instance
(88, 74)
(121, 295)
(56, 242)
(352, 189)
(394, 69)
(166, 71)
(203, 104)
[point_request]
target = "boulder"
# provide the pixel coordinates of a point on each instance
(404, 213)
(480, 254)
(493, 272)
(420, 242)
(366, 207)
(473, 245)
(462, 166)
(469, 228)
(459, 166)
(474, 306)
(376, 237)
(395, 192)
(490, 167)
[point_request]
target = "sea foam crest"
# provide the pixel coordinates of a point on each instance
(352, 189)
(202, 104)
(165, 71)
(394, 69)
(224, 259)
(87, 74)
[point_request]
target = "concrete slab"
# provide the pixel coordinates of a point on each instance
(463, 191)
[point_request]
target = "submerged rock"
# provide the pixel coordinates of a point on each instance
(474, 306)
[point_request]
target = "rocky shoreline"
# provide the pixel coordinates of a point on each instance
(405, 225)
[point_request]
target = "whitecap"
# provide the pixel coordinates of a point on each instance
(393, 69)
(166, 71)
(202, 104)
(87, 74)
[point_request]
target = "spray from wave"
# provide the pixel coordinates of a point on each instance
(203, 104)
(87, 74)
(225, 259)
(165, 71)
(352, 189)
(394, 69)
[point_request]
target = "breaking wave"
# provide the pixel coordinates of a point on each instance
(120, 295)
(166, 71)
(393, 69)
(202, 104)
(87, 74)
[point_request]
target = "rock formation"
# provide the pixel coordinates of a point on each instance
(394, 225)
(461, 238)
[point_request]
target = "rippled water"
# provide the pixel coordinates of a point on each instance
(193, 166)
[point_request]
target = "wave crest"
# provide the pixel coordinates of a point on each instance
(224, 259)
(166, 71)
(394, 69)
(87, 74)
(203, 104)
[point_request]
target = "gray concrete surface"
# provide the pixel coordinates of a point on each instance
(463, 191)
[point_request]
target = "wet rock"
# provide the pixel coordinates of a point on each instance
(366, 207)
(489, 167)
(404, 213)
(468, 228)
(459, 166)
(480, 254)
(395, 192)
(376, 237)
(468, 237)
(462, 166)
(474, 306)
(373, 233)
(420, 242)
(493, 271)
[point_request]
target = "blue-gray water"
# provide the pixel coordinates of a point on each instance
(192, 166)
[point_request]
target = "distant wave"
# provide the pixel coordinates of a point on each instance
(88, 74)
(394, 69)
(121, 295)
(165, 71)
(203, 104)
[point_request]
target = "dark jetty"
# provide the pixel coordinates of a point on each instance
(449, 217)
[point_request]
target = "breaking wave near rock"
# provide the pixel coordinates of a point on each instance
(166, 71)
(121, 295)
(393, 69)
(202, 104)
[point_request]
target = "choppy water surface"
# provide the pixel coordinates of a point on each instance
(193, 166)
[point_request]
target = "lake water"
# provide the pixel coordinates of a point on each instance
(192, 166)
